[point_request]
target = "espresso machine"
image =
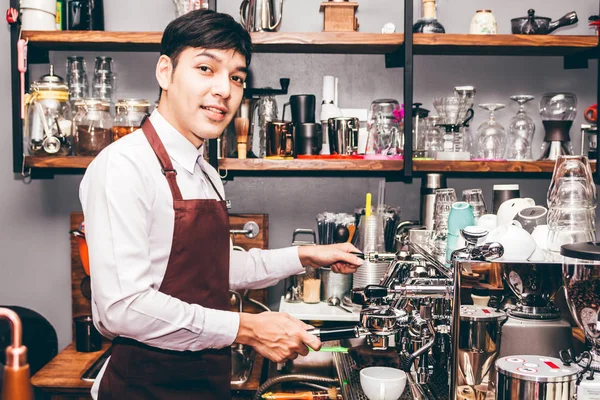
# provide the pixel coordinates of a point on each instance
(534, 325)
(414, 319)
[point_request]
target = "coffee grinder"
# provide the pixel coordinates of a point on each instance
(581, 277)
(557, 110)
(534, 325)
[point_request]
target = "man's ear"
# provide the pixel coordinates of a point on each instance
(164, 72)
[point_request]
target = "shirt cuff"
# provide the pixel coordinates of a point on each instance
(220, 328)
(288, 261)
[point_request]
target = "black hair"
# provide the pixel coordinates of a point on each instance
(206, 29)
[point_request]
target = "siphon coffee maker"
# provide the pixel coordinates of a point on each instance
(557, 110)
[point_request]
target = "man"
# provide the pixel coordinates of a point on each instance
(158, 234)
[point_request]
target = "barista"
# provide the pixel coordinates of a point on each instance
(158, 234)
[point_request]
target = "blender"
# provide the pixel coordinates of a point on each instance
(453, 111)
(535, 315)
(557, 110)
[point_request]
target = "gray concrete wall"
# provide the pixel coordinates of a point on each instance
(34, 240)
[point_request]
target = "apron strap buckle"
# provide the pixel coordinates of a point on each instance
(165, 171)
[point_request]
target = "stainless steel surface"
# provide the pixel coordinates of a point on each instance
(427, 210)
(479, 344)
(259, 15)
(250, 230)
(336, 302)
(334, 284)
(547, 337)
(242, 361)
(532, 368)
(343, 135)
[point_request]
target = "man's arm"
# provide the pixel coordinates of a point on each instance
(117, 198)
(258, 269)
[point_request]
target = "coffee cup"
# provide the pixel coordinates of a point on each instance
(530, 217)
(307, 139)
(517, 242)
(487, 221)
(501, 193)
(280, 139)
(510, 208)
(303, 108)
(540, 235)
(382, 383)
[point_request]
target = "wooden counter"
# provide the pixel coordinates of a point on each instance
(60, 378)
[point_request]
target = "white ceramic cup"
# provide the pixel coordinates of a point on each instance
(510, 208)
(540, 235)
(382, 383)
(517, 242)
(489, 222)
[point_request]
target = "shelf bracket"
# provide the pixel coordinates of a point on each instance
(576, 61)
(395, 59)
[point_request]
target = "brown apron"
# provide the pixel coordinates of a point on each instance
(197, 273)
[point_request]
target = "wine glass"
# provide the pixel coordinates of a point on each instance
(520, 131)
(491, 135)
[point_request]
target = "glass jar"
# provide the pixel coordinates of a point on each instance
(92, 127)
(48, 117)
(129, 114)
(385, 134)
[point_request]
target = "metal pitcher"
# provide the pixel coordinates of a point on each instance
(259, 15)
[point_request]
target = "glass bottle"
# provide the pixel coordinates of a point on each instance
(428, 23)
(129, 114)
(520, 130)
(92, 127)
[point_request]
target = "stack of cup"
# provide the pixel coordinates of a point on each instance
(444, 198)
(571, 203)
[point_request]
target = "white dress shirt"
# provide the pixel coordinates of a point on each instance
(129, 222)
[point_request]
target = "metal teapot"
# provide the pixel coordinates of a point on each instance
(259, 15)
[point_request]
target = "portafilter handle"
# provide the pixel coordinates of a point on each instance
(487, 252)
(328, 334)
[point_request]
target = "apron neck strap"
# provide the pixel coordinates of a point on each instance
(163, 158)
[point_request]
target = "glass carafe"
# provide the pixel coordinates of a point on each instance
(48, 117)
(491, 135)
(520, 132)
(434, 137)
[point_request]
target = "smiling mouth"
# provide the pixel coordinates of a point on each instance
(212, 109)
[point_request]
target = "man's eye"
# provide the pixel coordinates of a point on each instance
(238, 79)
(204, 68)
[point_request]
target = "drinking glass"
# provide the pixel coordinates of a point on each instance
(491, 135)
(104, 85)
(77, 78)
(434, 136)
(475, 198)
(385, 135)
(571, 168)
(444, 198)
(520, 130)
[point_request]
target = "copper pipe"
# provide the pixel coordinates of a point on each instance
(16, 385)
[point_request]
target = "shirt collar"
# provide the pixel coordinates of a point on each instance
(178, 147)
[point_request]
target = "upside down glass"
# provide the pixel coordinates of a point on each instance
(444, 198)
(385, 135)
(520, 131)
(491, 136)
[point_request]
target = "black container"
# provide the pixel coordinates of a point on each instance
(307, 139)
(85, 15)
(303, 108)
(87, 338)
(501, 193)
(534, 25)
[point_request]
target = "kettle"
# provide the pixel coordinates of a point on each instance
(259, 15)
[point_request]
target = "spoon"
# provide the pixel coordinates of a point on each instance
(334, 301)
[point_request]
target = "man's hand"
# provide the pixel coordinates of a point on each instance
(276, 336)
(336, 256)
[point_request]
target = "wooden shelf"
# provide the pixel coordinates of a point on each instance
(258, 165)
(70, 162)
(334, 42)
(234, 164)
(267, 42)
(520, 45)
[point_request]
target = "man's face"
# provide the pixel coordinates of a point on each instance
(203, 92)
